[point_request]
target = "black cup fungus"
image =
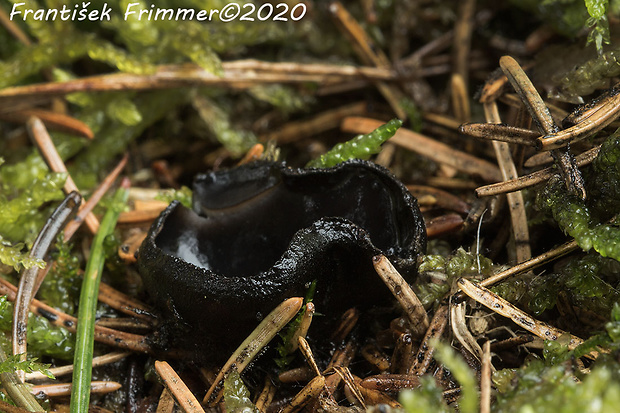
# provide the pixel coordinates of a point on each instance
(261, 233)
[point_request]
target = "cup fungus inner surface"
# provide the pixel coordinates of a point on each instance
(262, 232)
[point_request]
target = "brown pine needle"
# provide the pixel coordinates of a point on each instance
(305, 349)
(321, 122)
(43, 141)
(423, 358)
(68, 369)
(95, 197)
(368, 52)
(502, 307)
(590, 120)
(402, 357)
(52, 120)
(64, 389)
(518, 216)
(266, 396)
(255, 342)
(108, 336)
(241, 74)
(403, 293)
(485, 378)
(500, 132)
(309, 392)
(534, 178)
(166, 402)
(442, 225)
(543, 119)
(430, 148)
(177, 387)
(391, 383)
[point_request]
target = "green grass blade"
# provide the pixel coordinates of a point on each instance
(80, 391)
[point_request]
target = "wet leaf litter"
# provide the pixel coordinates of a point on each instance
(375, 316)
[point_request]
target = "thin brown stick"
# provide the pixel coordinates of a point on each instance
(266, 395)
(347, 323)
(485, 379)
(374, 397)
(375, 357)
(502, 307)
(518, 216)
(460, 330)
(391, 383)
(52, 120)
(423, 358)
(124, 303)
(542, 117)
(531, 263)
(461, 45)
(239, 74)
(598, 118)
(68, 369)
(342, 357)
(534, 178)
(500, 132)
(104, 335)
(177, 387)
(369, 52)
(351, 388)
(14, 29)
(442, 199)
(403, 293)
(305, 349)
(528, 94)
(321, 122)
(460, 98)
(166, 402)
(442, 120)
(430, 148)
(309, 392)
(64, 389)
(95, 197)
(402, 357)
(256, 341)
(443, 224)
(42, 139)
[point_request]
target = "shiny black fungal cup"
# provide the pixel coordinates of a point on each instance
(261, 233)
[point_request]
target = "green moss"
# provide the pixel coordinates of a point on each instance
(22, 202)
(237, 141)
(458, 264)
(360, 147)
(183, 195)
(584, 221)
(44, 339)
(61, 287)
(13, 256)
(236, 395)
(13, 363)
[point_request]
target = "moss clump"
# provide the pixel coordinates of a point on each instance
(44, 338)
(581, 220)
(448, 268)
(360, 147)
(61, 287)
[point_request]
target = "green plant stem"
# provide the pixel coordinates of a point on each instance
(80, 390)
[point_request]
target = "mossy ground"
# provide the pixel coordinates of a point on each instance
(173, 133)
